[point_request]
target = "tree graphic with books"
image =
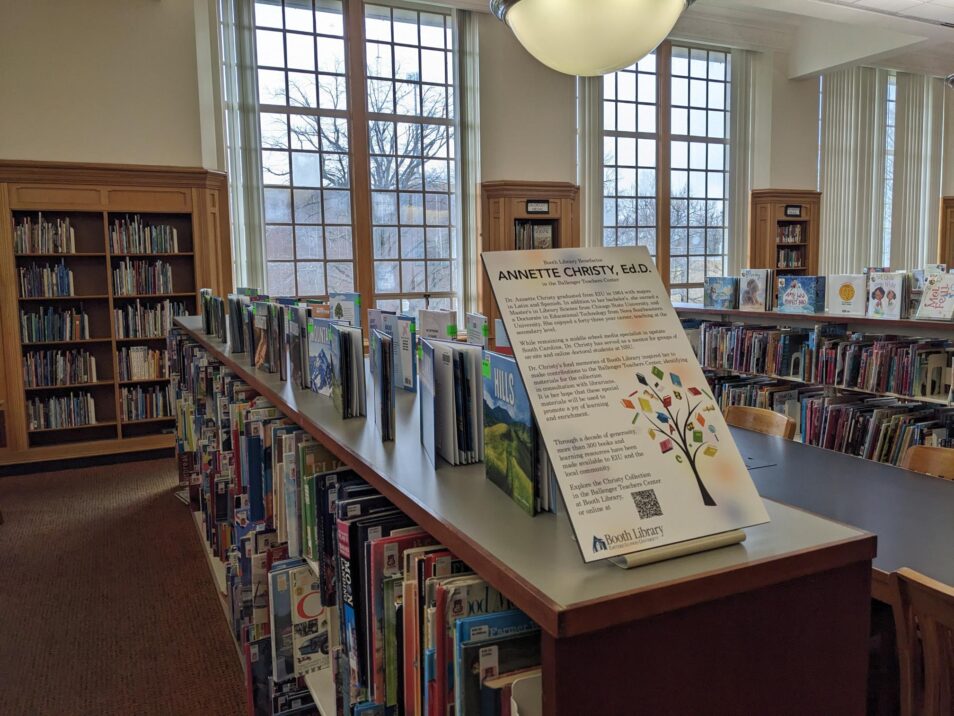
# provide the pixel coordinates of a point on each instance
(677, 420)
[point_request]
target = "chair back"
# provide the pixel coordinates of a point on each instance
(937, 461)
(924, 618)
(760, 420)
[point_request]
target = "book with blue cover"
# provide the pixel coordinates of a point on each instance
(403, 332)
(721, 292)
(800, 294)
(280, 608)
(509, 431)
(319, 355)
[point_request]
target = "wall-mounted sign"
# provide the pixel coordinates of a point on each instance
(793, 210)
(538, 206)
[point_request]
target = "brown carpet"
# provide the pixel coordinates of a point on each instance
(107, 605)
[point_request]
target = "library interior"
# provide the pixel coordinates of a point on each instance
(477, 357)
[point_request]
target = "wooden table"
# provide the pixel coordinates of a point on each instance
(777, 624)
(912, 514)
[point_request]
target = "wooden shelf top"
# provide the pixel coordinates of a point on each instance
(906, 326)
(147, 254)
(73, 254)
(139, 421)
(143, 380)
(70, 386)
(535, 561)
(101, 424)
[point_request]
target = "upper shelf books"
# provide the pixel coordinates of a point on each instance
(755, 289)
(937, 298)
(721, 292)
(801, 294)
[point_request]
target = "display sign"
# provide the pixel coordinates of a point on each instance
(641, 451)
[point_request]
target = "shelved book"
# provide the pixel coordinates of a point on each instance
(887, 294)
(319, 355)
(61, 411)
(755, 289)
(146, 403)
(451, 404)
(45, 280)
(800, 294)
(43, 236)
(131, 235)
(147, 319)
(721, 292)
(345, 307)
(382, 362)
(937, 298)
(141, 363)
(48, 323)
(348, 388)
(403, 332)
(58, 367)
(141, 276)
(477, 331)
(438, 324)
(847, 295)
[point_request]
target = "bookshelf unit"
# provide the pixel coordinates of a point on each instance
(945, 249)
(92, 198)
(520, 215)
(783, 231)
(798, 589)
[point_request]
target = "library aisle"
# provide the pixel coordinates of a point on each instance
(146, 635)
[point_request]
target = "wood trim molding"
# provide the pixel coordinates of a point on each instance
(532, 189)
(33, 172)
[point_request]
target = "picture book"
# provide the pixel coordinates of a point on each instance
(846, 294)
(477, 333)
(280, 602)
(345, 307)
(937, 298)
(887, 294)
(313, 624)
(293, 323)
(382, 362)
(491, 658)
(800, 294)
(721, 292)
(428, 404)
(276, 340)
(437, 324)
(509, 431)
(260, 356)
(457, 417)
(376, 323)
(319, 355)
(403, 332)
(755, 289)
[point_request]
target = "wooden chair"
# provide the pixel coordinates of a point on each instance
(924, 619)
(935, 461)
(760, 420)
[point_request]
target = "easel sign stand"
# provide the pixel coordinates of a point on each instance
(645, 463)
(682, 549)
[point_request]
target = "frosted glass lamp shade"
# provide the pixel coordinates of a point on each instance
(589, 37)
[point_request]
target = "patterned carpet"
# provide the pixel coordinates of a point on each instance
(107, 605)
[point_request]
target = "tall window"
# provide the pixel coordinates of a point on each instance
(374, 212)
(665, 163)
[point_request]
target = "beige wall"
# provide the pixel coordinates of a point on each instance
(527, 112)
(99, 81)
(786, 127)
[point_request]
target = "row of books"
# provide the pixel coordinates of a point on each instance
(790, 259)
(48, 323)
(44, 237)
(325, 573)
(133, 236)
(141, 363)
(45, 281)
(789, 234)
(58, 367)
(145, 403)
(926, 293)
(61, 411)
(875, 428)
(131, 278)
(533, 235)
(827, 354)
(147, 320)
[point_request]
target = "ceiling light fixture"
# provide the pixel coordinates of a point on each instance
(589, 37)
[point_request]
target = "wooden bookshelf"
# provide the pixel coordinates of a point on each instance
(512, 212)
(784, 223)
(92, 197)
(945, 249)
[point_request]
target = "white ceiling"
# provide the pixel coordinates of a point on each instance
(930, 10)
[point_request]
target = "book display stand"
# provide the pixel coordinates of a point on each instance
(681, 549)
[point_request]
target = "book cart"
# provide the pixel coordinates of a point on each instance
(777, 624)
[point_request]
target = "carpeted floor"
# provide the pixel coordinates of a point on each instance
(107, 605)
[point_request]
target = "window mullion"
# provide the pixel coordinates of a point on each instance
(663, 170)
(360, 154)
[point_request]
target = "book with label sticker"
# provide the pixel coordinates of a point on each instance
(345, 307)
(476, 324)
(436, 324)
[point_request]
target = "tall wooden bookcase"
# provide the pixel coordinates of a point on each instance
(945, 249)
(520, 215)
(92, 197)
(784, 230)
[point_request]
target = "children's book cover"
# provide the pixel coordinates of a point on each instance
(345, 307)
(846, 295)
(721, 292)
(937, 298)
(319, 355)
(509, 444)
(886, 294)
(801, 294)
(311, 622)
(754, 289)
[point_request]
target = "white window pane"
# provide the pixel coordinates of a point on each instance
(268, 14)
(302, 89)
(278, 242)
(271, 87)
(339, 242)
(275, 167)
(328, 17)
(311, 278)
(307, 206)
(298, 15)
(301, 51)
(340, 277)
(331, 55)
(277, 205)
(309, 242)
(280, 278)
